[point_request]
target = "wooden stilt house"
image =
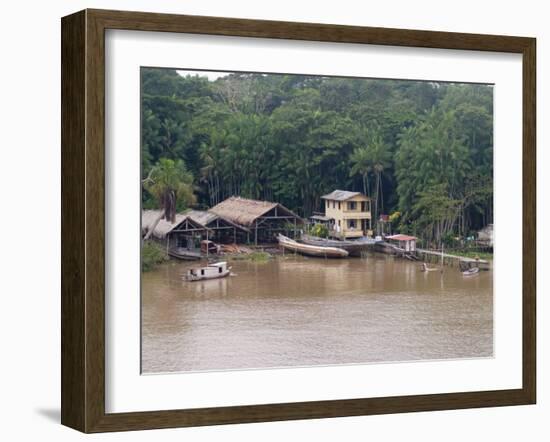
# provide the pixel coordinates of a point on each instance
(263, 219)
(185, 233)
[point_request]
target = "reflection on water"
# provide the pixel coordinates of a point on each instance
(297, 311)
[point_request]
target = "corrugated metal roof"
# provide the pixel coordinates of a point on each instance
(341, 195)
(320, 218)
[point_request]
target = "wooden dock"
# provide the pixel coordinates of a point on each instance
(462, 262)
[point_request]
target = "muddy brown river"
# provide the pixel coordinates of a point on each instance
(295, 311)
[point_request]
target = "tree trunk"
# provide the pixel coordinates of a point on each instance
(152, 229)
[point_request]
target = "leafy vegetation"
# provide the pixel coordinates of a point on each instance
(152, 254)
(320, 230)
(256, 256)
(423, 149)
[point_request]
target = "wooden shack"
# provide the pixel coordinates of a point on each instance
(405, 242)
(185, 233)
(263, 219)
(223, 230)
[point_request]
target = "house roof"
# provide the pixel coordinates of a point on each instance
(320, 217)
(341, 195)
(163, 227)
(244, 211)
(401, 237)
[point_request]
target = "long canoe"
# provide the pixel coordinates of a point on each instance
(354, 248)
(185, 254)
(309, 250)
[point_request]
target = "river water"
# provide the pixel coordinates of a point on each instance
(297, 311)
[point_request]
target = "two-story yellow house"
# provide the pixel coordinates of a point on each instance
(349, 214)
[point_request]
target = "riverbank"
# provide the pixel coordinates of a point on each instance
(154, 255)
(473, 254)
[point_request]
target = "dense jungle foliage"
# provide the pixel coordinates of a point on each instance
(423, 151)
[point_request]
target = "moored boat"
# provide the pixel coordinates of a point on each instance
(311, 250)
(211, 271)
(185, 254)
(471, 272)
(354, 247)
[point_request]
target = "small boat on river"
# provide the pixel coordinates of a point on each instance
(470, 272)
(354, 247)
(211, 271)
(424, 268)
(311, 250)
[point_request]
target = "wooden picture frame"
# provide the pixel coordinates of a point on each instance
(83, 220)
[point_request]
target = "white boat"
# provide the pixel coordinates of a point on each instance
(306, 249)
(211, 271)
(472, 271)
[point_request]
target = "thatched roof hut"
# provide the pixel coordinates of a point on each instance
(265, 218)
(245, 211)
(212, 220)
(164, 228)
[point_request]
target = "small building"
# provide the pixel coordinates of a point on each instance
(405, 242)
(350, 214)
(184, 233)
(263, 219)
(223, 230)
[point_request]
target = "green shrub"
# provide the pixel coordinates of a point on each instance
(152, 254)
(320, 230)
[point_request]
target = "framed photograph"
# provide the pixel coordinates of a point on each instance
(269, 221)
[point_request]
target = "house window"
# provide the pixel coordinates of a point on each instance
(338, 223)
(352, 205)
(338, 205)
(352, 223)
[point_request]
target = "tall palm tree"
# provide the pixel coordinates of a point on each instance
(169, 181)
(361, 165)
(379, 156)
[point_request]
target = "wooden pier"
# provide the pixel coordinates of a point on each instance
(462, 262)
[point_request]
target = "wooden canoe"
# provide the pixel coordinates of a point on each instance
(309, 250)
(186, 254)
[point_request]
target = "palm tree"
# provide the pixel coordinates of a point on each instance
(169, 181)
(361, 166)
(379, 156)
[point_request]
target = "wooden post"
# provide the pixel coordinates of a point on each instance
(234, 235)
(207, 244)
(256, 233)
